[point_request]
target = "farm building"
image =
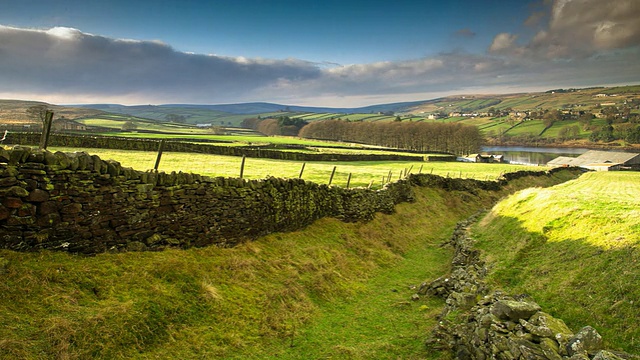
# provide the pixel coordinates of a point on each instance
(600, 161)
(63, 124)
(482, 158)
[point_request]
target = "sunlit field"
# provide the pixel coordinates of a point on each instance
(363, 173)
(574, 248)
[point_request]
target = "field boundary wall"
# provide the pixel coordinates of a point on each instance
(125, 143)
(79, 203)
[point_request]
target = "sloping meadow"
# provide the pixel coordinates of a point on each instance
(573, 248)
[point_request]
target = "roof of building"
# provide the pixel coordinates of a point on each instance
(561, 161)
(597, 157)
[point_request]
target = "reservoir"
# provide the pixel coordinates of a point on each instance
(532, 155)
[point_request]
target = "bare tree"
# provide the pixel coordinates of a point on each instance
(38, 112)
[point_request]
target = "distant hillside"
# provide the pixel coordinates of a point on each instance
(15, 111)
(587, 99)
(198, 113)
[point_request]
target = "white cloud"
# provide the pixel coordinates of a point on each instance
(503, 42)
(67, 61)
(578, 29)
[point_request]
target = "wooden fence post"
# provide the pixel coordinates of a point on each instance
(332, 173)
(46, 130)
(242, 166)
(160, 149)
(389, 176)
(420, 172)
(348, 180)
(301, 170)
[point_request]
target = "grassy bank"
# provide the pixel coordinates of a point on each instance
(333, 290)
(574, 248)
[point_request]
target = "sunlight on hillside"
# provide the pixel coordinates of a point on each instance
(598, 208)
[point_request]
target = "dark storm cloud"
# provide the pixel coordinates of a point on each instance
(69, 61)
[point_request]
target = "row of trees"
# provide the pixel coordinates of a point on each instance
(282, 125)
(418, 136)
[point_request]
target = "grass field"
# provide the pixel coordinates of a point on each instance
(332, 291)
(574, 248)
(363, 172)
(532, 127)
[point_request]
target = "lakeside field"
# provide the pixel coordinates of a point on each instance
(574, 249)
(362, 172)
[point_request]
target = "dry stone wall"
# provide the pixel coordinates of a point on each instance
(110, 142)
(80, 203)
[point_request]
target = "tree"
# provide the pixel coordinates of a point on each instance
(38, 112)
(176, 118)
(551, 117)
(129, 125)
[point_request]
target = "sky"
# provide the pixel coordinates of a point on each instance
(315, 53)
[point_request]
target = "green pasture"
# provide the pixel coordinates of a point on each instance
(116, 123)
(235, 120)
(483, 122)
(621, 90)
(362, 173)
(319, 116)
(529, 127)
(498, 127)
(554, 131)
(574, 249)
(236, 138)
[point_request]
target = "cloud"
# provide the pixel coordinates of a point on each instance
(535, 18)
(577, 29)
(68, 61)
(465, 33)
(66, 65)
(503, 42)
